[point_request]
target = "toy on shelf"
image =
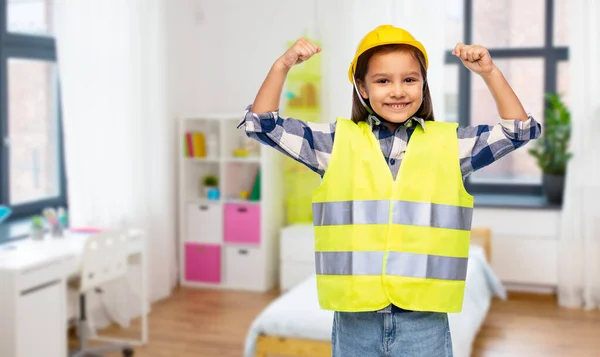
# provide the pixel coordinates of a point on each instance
(248, 187)
(240, 153)
(247, 147)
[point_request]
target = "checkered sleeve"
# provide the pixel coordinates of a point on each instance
(306, 142)
(481, 145)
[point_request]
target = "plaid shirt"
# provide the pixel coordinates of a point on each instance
(311, 143)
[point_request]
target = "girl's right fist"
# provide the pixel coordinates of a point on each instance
(300, 51)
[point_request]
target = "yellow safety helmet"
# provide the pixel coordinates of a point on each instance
(385, 35)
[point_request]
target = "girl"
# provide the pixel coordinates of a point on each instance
(391, 230)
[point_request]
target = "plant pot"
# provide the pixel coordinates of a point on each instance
(554, 186)
(211, 192)
(37, 233)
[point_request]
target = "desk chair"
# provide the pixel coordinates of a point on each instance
(104, 259)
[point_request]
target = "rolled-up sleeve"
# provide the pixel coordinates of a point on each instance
(519, 130)
(481, 145)
(306, 142)
(258, 122)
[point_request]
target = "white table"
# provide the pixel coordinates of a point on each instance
(33, 299)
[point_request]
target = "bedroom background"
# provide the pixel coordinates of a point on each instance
(131, 70)
(525, 227)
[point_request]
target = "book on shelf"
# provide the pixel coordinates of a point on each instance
(194, 144)
(255, 193)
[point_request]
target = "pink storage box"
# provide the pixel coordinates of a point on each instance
(242, 223)
(203, 263)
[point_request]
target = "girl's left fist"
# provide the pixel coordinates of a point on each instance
(476, 58)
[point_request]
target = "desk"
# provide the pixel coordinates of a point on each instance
(33, 299)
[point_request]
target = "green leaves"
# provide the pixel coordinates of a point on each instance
(211, 181)
(552, 149)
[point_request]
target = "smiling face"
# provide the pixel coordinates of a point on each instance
(392, 79)
(393, 85)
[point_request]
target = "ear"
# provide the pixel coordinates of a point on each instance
(362, 89)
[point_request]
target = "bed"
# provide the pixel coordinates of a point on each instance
(294, 325)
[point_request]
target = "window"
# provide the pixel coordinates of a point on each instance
(31, 161)
(527, 40)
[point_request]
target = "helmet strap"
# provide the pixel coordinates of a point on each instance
(373, 117)
(361, 98)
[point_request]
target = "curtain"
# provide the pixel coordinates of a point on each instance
(579, 245)
(119, 138)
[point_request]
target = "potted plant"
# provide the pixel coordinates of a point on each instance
(210, 186)
(551, 150)
(37, 228)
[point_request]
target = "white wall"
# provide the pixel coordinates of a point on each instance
(220, 51)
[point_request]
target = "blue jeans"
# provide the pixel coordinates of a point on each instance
(396, 334)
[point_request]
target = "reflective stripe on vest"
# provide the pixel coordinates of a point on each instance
(403, 212)
(399, 264)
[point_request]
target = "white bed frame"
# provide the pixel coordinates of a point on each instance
(269, 345)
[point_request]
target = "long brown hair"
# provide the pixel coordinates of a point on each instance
(359, 112)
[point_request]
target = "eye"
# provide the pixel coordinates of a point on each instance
(410, 80)
(381, 81)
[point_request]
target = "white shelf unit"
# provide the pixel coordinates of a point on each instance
(231, 242)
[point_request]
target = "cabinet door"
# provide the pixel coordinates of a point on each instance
(242, 223)
(204, 223)
(203, 263)
(244, 268)
(41, 321)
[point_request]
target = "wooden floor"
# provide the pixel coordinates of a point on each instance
(208, 323)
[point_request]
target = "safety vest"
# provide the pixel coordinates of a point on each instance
(379, 240)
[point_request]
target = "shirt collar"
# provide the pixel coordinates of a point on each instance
(374, 120)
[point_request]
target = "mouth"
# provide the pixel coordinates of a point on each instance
(397, 106)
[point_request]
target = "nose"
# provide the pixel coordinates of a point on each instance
(397, 90)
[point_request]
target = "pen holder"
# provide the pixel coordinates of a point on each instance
(57, 230)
